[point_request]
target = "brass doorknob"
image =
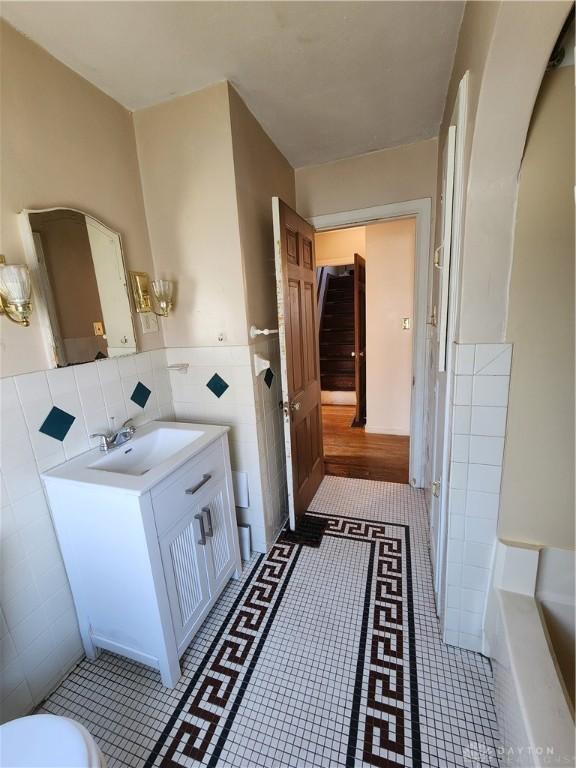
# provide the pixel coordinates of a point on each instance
(295, 406)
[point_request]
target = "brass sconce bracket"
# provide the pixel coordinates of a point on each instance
(141, 291)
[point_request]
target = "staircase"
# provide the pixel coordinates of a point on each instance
(337, 335)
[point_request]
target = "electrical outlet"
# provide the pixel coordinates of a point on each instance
(98, 329)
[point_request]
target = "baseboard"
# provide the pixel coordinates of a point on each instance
(386, 431)
(338, 398)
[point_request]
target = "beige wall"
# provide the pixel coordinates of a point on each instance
(505, 47)
(186, 162)
(471, 54)
(261, 172)
(389, 176)
(538, 479)
(337, 247)
(390, 256)
(64, 143)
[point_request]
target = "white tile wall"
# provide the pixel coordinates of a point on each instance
(39, 640)
(482, 375)
(247, 406)
(39, 637)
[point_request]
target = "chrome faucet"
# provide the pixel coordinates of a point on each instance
(112, 439)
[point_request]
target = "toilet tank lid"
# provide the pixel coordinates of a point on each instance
(47, 741)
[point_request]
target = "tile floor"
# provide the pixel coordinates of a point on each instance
(327, 656)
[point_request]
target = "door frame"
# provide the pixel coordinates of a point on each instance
(459, 119)
(421, 210)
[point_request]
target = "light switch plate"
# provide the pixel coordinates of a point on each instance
(149, 322)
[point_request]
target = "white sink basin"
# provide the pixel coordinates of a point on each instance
(138, 455)
(155, 451)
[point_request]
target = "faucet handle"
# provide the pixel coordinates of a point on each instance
(104, 440)
(129, 427)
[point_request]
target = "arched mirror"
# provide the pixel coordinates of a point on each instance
(81, 277)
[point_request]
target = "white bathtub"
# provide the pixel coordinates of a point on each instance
(535, 713)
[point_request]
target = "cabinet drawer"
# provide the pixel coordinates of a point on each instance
(170, 500)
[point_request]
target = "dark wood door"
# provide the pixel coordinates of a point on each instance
(360, 337)
(298, 331)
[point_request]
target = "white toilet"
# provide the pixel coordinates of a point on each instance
(48, 741)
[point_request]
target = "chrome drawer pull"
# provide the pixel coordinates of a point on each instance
(199, 485)
(202, 539)
(209, 529)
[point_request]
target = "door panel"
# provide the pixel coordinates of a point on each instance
(298, 335)
(307, 252)
(111, 279)
(309, 312)
(302, 455)
(296, 372)
(360, 337)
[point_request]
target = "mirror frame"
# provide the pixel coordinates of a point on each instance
(42, 292)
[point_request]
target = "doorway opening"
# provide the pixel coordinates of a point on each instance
(366, 278)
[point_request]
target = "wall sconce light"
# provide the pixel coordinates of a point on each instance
(163, 291)
(15, 292)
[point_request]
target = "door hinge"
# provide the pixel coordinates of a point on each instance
(436, 488)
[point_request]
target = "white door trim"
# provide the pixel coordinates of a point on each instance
(421, 210)
(459, 119)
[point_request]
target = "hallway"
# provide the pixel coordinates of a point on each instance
(317, 656)
(352, 452)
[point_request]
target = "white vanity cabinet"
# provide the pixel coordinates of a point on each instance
(148, 554)
(197, 537)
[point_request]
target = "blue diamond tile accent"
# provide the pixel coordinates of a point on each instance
(268, 377)
(217, 385)
(140, 395)
(57, 424)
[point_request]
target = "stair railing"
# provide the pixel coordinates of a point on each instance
(323, 275)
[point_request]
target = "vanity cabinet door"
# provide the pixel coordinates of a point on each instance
(185, 568)
(219, 515)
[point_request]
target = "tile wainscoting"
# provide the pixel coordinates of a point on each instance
(250, 407)
(480, 402)
(39, 639)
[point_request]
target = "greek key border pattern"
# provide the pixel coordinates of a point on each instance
(387, 649)
(197, 731)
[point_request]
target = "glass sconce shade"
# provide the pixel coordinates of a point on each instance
(15, 283)
(15, 293)
(163, 290)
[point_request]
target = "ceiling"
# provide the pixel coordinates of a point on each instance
(326, 80)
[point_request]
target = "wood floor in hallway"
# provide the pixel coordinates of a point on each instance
(352, 452)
